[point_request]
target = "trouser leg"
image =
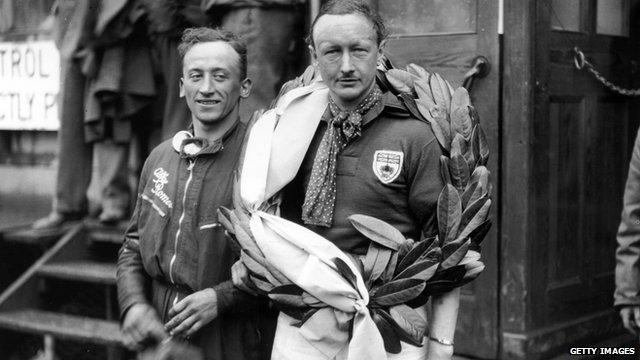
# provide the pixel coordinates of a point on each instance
(74, 155)
(112, 161)
(176, 115)
(270, 35)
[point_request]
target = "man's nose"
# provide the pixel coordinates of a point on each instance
(208, 85)
(346, 65)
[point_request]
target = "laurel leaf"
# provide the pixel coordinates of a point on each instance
(455, 257)
(424, 108)
(397, 292)
(399, 331)
(449, 211)
(471, 211)
(280, 278)
(470, 257)
(440, 91)
(462, 146)
(459, 170)
(418, 72)
(419, 249)
(375, 262)
(245, 240)
(444, 170)
(441, 117)
(473, 269)
(388, 272)
(404, 248)
(473, 114)
(225, 219)
(345, 271)
(377, 230)
(423, 91)
(421, 270)
(477, 219)
(479, 233)
(256, 267)
(261, 284)
(401, 80)
(410, 102)
(460, 119)
(391, 340)
(410, 321)
(483, 147)
(450, 247)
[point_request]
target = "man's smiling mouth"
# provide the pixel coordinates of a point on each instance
(207, 102)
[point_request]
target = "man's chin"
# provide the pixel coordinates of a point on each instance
(347, 95)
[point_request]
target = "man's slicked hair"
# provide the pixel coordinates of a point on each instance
(197, 35)
(346, 7)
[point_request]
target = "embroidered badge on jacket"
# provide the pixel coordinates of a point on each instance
(161, 179)
(387, 165)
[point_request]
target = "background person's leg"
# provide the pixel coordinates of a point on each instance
(74, 155)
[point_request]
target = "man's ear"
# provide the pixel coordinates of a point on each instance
(312, 53)
(181, 85)
(245, 88)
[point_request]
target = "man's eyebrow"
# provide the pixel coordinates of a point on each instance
(200, 69)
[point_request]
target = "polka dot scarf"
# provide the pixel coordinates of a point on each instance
(343, 127)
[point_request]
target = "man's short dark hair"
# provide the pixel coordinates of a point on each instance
(345, 7)
(197, 35)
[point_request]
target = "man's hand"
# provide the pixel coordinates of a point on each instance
(631, 318)
(141, 324)
(192, 313)
(240, 278)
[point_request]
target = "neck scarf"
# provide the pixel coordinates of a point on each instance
(343, 128)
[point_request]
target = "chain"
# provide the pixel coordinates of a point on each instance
(581, 62)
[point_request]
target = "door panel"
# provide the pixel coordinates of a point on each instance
(444, 37)
(581, 150)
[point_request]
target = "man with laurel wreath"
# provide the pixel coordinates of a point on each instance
(366, 153)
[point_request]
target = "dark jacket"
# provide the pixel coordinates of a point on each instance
(628, 252)
(175, 246)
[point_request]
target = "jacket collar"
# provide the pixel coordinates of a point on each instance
(190, 146)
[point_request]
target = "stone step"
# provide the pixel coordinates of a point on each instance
(64, 326)
(82, 270)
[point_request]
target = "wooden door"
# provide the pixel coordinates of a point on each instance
(445, 36)
(582, 134)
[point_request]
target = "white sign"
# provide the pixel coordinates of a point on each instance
(29, 85)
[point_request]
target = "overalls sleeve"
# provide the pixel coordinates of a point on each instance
(132, 280)
(628, 252)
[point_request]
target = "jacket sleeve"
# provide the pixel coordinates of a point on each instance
(233, 300)
(132, 280)
(628, 252)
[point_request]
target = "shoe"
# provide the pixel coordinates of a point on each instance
(55, 220)
(114, 208)
(112, 215)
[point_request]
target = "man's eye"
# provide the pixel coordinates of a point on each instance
(219, 77)
(195, 76)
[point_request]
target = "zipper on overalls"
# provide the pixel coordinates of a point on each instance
(175, 243)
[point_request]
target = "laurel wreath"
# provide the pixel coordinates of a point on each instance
(400, 274)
